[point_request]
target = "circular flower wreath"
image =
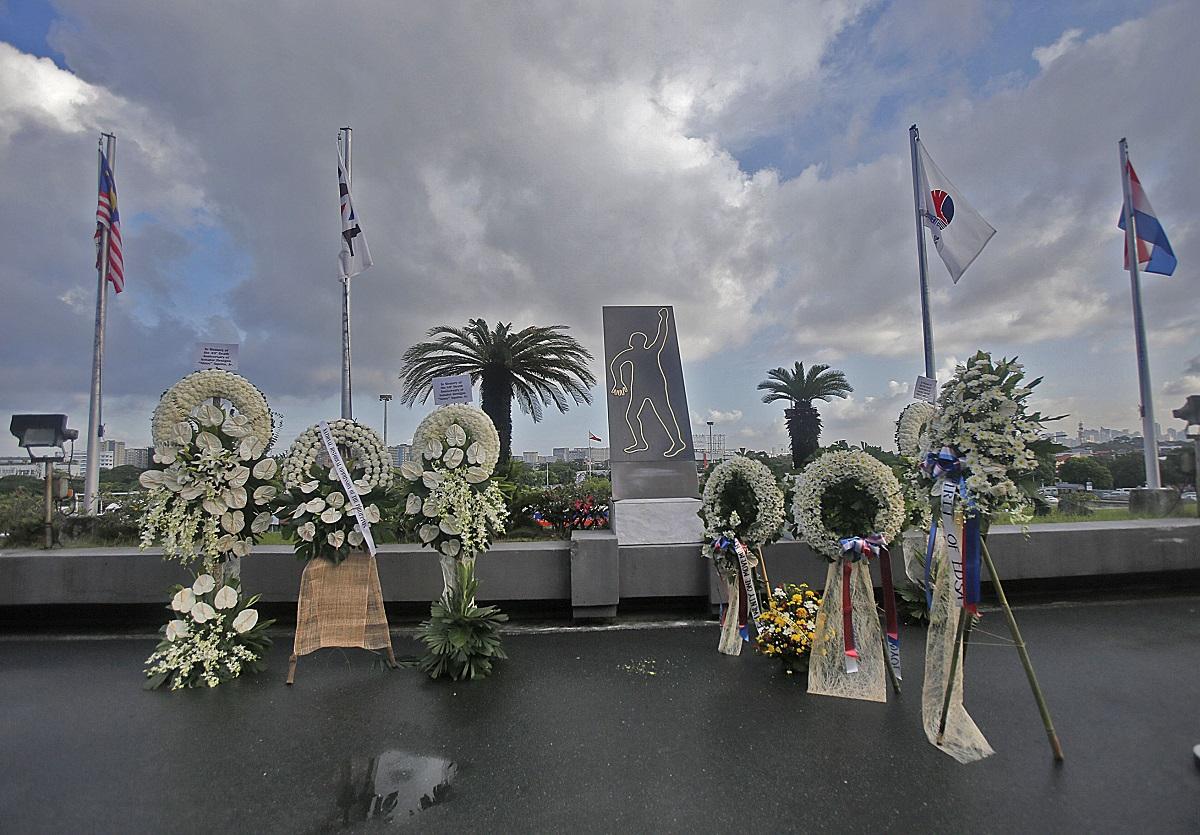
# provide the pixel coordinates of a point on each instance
(913, 428)
(475, 422)
(450, 503)
(318, 513)
(212, 497)
(832, 470)
(182, 399)
(741, 500)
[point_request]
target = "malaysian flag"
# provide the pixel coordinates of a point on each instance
(109, 219)
(354, 257)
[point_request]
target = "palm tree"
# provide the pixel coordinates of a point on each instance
(535, 366)
(803, 422)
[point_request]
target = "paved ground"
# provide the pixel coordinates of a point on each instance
(634, 730)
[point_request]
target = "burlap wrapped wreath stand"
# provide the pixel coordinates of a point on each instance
(340, 605)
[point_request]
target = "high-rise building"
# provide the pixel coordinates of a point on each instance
(400, 453)
(560, 453)
(530, 457)
(116, 449)
(139, 456)
(21, 465)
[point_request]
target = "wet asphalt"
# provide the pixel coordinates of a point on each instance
(634, 730)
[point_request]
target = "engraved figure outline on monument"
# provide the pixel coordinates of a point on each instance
(643, 389)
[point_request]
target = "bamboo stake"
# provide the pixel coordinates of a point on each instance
(891, 673)
(1055, 746)
(762, 566)
(958, 637)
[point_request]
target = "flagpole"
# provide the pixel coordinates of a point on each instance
(926, 323)
(1149, 436)
(347, 394)
(91, 478)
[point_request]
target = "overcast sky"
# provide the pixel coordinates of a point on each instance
(530, 162)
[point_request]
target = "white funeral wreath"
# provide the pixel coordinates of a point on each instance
(846, 465)
(182, 399)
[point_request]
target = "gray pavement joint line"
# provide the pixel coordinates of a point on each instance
(632, 626)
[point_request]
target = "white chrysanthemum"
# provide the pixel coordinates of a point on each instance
(193, 394)
(361, 448)
(872, 475)
(767, 513)
(477, 428)
(913, 427)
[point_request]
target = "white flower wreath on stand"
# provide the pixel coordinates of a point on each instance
(913, 440)
(450, 502)
(848, 507)
(913, 429)
(742, 509)
(211, 490)
(317, 512)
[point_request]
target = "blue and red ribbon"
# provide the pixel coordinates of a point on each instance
(948, 466)
(854, 549)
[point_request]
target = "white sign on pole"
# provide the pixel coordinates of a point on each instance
(222, 355)
(925, 389)
(455, 389)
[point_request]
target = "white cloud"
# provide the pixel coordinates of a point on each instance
(1047, 55)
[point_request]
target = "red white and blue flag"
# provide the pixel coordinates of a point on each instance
(593, 437)
(1153, 248)
(108, 219)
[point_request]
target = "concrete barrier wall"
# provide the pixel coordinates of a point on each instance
(543, 570)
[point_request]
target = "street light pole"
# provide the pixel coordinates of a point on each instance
(710, 441)
(386, 398)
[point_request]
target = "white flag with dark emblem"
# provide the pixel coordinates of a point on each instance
(959, 232)
(355, 256)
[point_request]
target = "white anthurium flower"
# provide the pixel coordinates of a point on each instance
(428, 533)
(300, 510)
(265, 494)
(183, 601)
(431, 478)
(204, 584)
(411, 470)
(181, 433)
(238, 476)
(453, 457)
(433, 450)
(202, 612)
(245, 621)
(225, 543)
(190, 494)
(474, 453)
(307, 531)
(171, 481)
(450, 526)
(361, 487)
(261, 523)
(210, 415)
(335, 499)
(208, 442)
(315, 505)
(234, 521)
(235, 430)
(225, 598)
(330, 515)
(250, 448)
(355, 538)
(241, 548)
(235, 497)
(429, 508)
(455, 435)
(476, 475)
(336, 538)
(372, 514)
(332, 475)
(309, 486)
(177, 629)
(165, 454)
(412, 506)
(265, 469)
(451, 547)
(151, 479)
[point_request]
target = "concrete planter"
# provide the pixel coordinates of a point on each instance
(595, 574)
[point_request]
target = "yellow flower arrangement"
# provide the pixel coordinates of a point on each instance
(786, 629)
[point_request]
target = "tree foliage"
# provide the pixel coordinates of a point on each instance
(801, 388)
(537, 366)
(1083, 469)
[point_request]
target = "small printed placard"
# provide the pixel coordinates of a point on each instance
(222, 355)
(925, 389)
(455, 389)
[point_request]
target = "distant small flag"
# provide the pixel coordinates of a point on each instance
(1153, 248)
(355, 257)
(109, 219)
(592, 437)
(959, 232)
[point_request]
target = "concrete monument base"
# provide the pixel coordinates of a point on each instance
(657, 521)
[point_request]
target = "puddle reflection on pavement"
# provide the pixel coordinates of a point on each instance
(392, 786)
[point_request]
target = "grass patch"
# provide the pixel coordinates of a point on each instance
(1104, 514)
